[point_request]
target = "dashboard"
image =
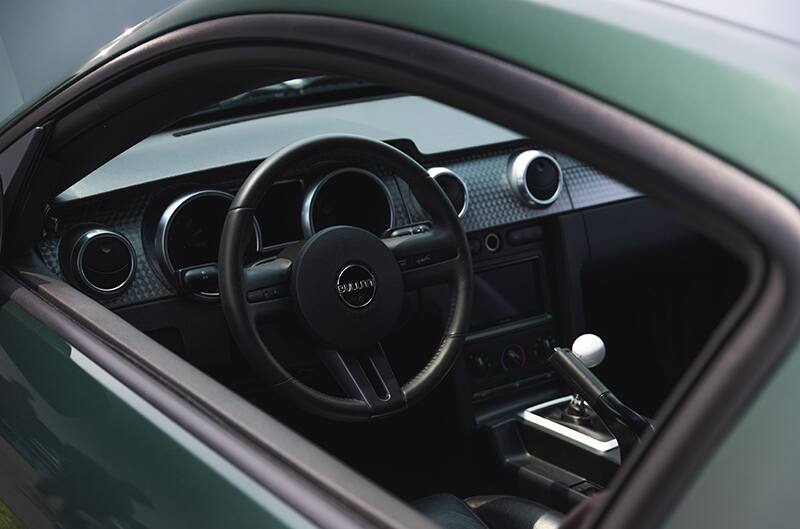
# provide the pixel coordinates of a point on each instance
(142, 237)
(170, 228)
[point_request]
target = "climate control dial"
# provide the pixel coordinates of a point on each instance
(513, 357)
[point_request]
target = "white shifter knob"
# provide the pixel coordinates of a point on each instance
(590, 349)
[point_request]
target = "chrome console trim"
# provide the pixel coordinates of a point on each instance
(564, 432)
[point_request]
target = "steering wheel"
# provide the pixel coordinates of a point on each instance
(346, 286)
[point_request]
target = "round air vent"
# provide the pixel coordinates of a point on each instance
(102, 261)
(536, 178)
(453, 186)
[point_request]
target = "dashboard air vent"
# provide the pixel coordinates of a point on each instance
(101, 261)
(536, 178)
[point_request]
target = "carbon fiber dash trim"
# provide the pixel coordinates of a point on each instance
(126, 218)
(491, 204)
(589, 187)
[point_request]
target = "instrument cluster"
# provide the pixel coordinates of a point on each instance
(187, 234)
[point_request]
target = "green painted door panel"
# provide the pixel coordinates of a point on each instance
(79, 449)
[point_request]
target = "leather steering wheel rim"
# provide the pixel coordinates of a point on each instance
(446, 235)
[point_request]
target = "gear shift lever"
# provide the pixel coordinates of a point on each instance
(591, 351)
(573, 365)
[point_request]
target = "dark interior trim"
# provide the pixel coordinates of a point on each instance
(17, 163)
(749, 218)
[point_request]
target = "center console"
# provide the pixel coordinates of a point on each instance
(558, 451)
(563, 449)
(554, 447)
(513, 316)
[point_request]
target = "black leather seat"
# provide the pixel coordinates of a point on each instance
(488, 512)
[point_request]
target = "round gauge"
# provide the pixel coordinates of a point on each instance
(189, 231)
(349, 197)
(513, 357)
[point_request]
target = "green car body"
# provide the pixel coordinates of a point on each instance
(112, 459)
(93, 454)
(732, 92)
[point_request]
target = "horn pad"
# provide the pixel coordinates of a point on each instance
(347, 287)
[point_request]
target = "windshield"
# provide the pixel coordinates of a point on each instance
(290, 94)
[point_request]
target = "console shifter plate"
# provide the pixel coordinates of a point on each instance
(538, 417)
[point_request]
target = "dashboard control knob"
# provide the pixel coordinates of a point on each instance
(513, 357)
(492, 242)
(590, 349)
(481, 364)
(544, 347)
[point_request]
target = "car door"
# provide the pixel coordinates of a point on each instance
(117, 372)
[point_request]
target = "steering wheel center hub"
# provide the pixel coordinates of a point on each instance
(347, 287)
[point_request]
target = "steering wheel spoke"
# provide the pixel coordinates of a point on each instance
(425, 258)
(266, 284)
(267, 311)
(366, 375)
